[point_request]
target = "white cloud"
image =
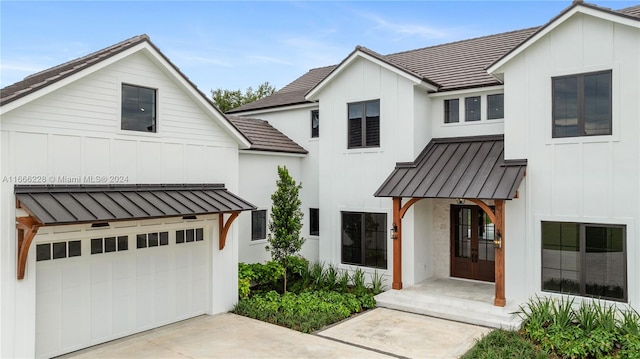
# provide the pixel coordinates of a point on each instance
(405, 29)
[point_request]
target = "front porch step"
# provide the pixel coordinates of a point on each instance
(450, 308)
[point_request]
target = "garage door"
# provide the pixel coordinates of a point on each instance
(96, 289)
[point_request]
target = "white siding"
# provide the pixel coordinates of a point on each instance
(579, 179)
(258, 176)
(75, 132)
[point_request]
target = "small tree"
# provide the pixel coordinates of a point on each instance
(286, 220)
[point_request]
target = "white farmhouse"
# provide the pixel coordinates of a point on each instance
(510, 159)
(117, 199)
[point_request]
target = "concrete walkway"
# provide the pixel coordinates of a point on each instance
(378, 333)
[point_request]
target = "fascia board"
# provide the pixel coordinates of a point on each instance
(605, 15)
(68, 80)
(198, 97)
(312, 95)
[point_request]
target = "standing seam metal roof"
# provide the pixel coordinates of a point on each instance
(70, 204)
(462, 167)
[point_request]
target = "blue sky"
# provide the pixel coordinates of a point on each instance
(234, 45)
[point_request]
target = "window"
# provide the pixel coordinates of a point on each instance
(314, 222)
(190, 235)
(155, 239)
(138, 108)
(258, 225)
(584, 259)
(582, 105)
(315, 123)
(364, 124)
(364, 239)
(472, 109)
(60, 250)
(451, 111)
(110, 244)
(495, 106)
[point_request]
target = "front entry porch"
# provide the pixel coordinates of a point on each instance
(453, 299)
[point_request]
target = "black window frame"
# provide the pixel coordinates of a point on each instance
(315, 126)
(473, 113)
(262, 233)
(129, 120)
(314, 221)
(349, 252)
(579, 245)
(495, 111)
(366, 125)
(452, 110)
(580, 105)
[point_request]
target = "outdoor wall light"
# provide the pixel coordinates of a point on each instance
(460, 200)
(497, 241)
(394, 232)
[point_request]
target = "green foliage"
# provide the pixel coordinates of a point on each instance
(377, 285)
(504, 344)
(305, 312)
(594, 330)
(257, 274)
(286, 220)
(227, 100)
(358, 281)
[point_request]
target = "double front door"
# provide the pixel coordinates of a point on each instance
(472, 251)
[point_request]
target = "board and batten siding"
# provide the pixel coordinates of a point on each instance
(74, 132)
(350, 177)
(579, 179)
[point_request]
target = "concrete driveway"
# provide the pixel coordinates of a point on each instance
(378, 333)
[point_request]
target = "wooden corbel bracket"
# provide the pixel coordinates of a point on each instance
(224, 227)
(27, 229)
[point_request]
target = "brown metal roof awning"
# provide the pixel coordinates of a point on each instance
(462, 167)
(70, 204)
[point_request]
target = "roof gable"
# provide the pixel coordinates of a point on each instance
(383, 61)
(47, 81)
(629, 16)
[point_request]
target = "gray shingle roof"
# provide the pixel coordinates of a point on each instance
(452, 66)
(54, 74)
(292, 94)
(264, 137)
(68, 204)
(631, 11)
(462, 167)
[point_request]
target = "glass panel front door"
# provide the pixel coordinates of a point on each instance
(472, 251)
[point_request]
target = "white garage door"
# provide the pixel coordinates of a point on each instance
(97, 289)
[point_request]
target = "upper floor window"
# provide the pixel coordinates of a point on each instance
(315, 123)
(138, 108)
(472, 109)
(451, 111)
(258, 225)
(495, 106)
(364, 124)
(582, 105)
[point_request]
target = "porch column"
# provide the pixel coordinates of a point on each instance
(500, 300)
(497, 218)
(397, 244)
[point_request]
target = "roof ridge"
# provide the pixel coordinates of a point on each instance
(464, 40)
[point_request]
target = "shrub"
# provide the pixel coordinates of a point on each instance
(594, 330)
(306, 312)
